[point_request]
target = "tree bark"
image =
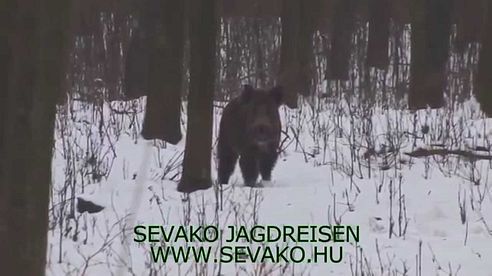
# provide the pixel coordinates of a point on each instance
(469, 22)
(113, 67)
(197, 157)
(296, 60)
(37, 41)
(483, 81)
(256, 8)
(86, 19)
(136, 76)
(377, 47)
(165, 28)
(342, 23)
(431, 26)
(4, 66)
(305, 49)
(289, 53)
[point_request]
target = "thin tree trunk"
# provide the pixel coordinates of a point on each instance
(431, 26)
(377, 47)
(113, 63)
(86, 19)
(342, 23)
(400, 11)
(305, 49)
(165, 27)
(289, 55)
(250, 8)
(469, 25)
(136, 76)
(197, 157)
(37, 41)
(483, 85)
(4, 66)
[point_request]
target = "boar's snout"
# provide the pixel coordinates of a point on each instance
(262, 132)
(262, 135)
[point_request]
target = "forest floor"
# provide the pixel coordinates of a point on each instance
(342, 163)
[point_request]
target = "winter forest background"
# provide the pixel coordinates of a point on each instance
(386, 125)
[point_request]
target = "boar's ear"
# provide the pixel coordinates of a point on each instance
(247, 93)
(278, 94)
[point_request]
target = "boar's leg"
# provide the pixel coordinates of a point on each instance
(227, 163)
(267, 162)
(249, 168)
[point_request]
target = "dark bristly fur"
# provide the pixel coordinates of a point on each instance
(250, 130)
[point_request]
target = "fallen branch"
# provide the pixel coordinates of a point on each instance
(420, 152)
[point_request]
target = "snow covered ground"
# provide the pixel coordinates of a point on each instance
(341, 164)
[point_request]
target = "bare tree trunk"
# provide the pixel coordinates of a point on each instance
(469, 25)
(4, 67)
(136, 76)
(289, 58)
(483, 82)
(342, 27)
(197, 157)
(86, 19)
(377, 47)
(37, 41)
(296, 60)
(257, 8)
(431, 25)
(400, 11)
(305, 49)
(165, 28)
(113, 67)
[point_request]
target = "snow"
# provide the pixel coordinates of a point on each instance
(322, 177)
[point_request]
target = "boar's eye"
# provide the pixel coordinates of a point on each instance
(278, 94)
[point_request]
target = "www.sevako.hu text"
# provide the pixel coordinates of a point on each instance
(239, 244)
